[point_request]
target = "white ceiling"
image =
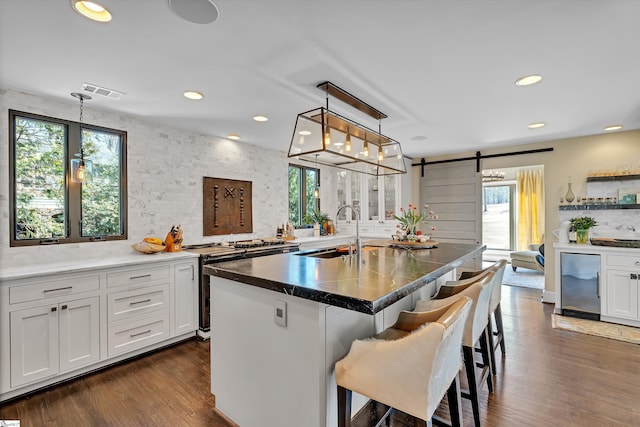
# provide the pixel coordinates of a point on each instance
(439, 69)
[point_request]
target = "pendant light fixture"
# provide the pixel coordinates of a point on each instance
(81, 168)
(325, 129)
(316, 192)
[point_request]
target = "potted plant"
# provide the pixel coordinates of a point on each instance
(582, 225)
(315, 216)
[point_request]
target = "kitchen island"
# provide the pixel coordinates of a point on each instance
(279, 323)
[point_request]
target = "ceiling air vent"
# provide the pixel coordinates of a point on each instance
(102, 91)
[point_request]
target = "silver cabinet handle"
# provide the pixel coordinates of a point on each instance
(59, 289)
(140, 302)
(139, 277)
(140, 333)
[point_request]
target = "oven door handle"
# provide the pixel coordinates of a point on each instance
(220, 258)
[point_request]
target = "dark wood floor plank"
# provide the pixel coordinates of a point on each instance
(549, 377)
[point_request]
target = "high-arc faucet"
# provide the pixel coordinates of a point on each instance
(354, 210)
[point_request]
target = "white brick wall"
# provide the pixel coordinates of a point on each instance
(165, 170)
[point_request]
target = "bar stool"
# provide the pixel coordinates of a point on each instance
(496, 337)
(479, 290)
(409, 366)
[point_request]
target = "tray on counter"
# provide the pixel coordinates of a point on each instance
(616, 243)
(414, 245)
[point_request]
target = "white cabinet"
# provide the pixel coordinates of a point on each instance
(622, 275)
(60, 323)
(54, 338)
(377, 197)
(622, 294)
(349, 185)
(383, 197)
(185, 298)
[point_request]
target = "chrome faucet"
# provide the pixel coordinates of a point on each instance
(358, 242)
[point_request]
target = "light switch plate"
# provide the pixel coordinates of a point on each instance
(280, 313)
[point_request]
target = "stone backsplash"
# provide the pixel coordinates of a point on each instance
(165, 171)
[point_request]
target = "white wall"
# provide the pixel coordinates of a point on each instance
(574, 158)
(165, 170)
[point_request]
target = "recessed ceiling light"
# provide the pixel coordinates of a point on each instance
(419, 138)
(613, 127)
(260, 118)
(537, 125)
(529, 80)
(91, 10)
(234, 136)
(192, 94)
(305, 132)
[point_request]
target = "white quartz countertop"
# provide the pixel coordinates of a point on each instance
(43, 268)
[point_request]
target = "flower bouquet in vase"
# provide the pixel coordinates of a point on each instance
(411, 218)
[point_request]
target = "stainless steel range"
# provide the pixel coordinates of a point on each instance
(211, 253)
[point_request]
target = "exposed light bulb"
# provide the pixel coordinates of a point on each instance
(380, 154)
(365, 151)
(316, 193)
(81, 173)
(327, 138)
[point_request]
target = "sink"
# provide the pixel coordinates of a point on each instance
(618, 243)
(333, 252)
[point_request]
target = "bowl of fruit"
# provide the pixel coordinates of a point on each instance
(149, 245)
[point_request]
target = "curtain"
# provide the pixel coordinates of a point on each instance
(530, 185)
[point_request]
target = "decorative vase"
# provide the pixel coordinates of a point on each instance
(582, 236)
(569, 197)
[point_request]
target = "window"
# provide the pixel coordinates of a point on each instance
(46, 206)
(302, 185)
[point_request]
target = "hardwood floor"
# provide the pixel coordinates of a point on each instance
(548, 378)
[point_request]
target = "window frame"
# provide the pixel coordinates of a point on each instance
(73, 191)
(303, 194)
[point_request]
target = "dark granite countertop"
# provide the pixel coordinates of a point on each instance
(385, 276)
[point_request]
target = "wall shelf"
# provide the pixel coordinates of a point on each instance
(596, 207)
(612, 178)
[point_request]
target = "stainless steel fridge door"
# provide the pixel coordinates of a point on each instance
(580, 276)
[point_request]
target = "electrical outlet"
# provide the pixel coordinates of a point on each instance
(280, 313)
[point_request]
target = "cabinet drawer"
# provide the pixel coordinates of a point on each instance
(53, 288)
(624, 261)
(138, 334)
(389, 229)
(138, 275)
(122, 305)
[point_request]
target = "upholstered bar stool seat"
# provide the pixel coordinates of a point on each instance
(495, 336)
(478, 289)
(409, 366)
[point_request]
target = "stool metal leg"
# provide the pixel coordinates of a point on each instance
(455, 404)
(497, 314)
(344, 407)
(487, 373)
(469, 364)
(490, 335)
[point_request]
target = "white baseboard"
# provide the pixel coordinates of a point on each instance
(548, 297)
